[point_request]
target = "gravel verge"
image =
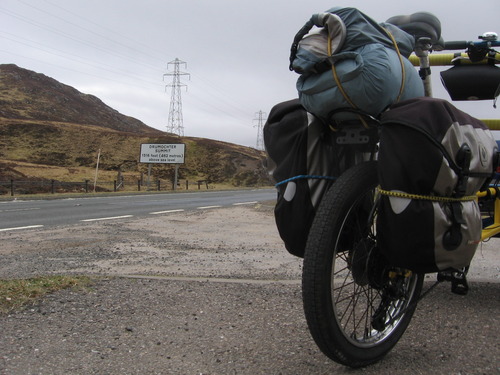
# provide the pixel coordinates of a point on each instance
(212, 292)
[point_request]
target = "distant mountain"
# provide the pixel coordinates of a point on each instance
(27, 95)
(46, 123)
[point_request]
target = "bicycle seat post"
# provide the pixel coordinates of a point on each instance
(422, 48)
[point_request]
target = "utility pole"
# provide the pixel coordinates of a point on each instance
(175, 121)
(260, 126)
(97, 168)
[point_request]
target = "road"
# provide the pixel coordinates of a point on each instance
(22, 214)
(212, 291)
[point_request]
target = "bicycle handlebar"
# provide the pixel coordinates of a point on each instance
(454, 45)
(464, 44)
(478, 52)
(446, 59)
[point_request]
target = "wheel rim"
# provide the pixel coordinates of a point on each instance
(354, 303)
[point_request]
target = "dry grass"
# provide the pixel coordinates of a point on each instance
(68, 153)
(67, 174)
(17, 294)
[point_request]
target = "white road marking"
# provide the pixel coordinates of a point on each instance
(165, 212)
(20, 209)
(243, 203)
(19, 228)
(207, 207)
(108, 218)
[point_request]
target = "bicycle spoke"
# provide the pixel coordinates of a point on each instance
(363, 317)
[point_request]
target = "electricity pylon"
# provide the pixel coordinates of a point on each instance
(175, 121)
(260, 126)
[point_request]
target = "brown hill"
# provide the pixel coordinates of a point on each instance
(25, 94)
(44, 123)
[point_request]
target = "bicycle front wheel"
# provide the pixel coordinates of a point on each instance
(356, 307)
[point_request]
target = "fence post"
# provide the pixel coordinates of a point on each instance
(86, 186)
(187, 184)
(52, 183)
(158, 183)
(114, 186)
(11, 188)
(138, 185)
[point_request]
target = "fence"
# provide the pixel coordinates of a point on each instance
(21, 187)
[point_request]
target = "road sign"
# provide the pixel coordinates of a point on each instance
(162, 153)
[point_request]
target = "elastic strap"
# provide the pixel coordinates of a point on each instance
(403, 72)
(339, 84)
(336, 77)
(341, 88)
(303, 176)
(433, 198)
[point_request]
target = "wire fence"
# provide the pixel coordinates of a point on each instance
(21, 187)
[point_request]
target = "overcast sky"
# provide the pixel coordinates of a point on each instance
(236, 52)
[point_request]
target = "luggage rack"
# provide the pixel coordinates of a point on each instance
(360, 129)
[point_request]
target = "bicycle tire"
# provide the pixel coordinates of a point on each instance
(344, 329)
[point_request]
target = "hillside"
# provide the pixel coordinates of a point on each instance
(25, 94)
(44, 123)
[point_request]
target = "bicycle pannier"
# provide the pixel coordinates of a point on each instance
(300, 159)
(472, 82)
(433, 158)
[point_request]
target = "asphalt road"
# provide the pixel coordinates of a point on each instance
(224, 299)
(20, 214)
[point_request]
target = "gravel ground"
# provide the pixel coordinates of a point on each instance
(212, 292)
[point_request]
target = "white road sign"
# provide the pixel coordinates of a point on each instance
(162, 153)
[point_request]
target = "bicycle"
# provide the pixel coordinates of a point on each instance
(356, 308)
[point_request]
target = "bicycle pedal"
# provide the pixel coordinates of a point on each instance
(458, 280)
(460, 286)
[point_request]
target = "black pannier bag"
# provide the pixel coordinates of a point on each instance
(433, 158)
(472, 82)
(301, 158)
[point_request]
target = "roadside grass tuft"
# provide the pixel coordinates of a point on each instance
(15, 294)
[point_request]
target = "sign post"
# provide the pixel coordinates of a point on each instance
(164, 154)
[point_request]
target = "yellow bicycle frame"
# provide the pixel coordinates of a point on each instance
(425, 59)
(494, 228)
(445, 59)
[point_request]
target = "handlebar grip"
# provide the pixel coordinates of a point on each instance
(459, 44)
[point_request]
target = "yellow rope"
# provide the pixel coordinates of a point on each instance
(433, 198)
(336, 77)
(339, 85)
(341, 88)
(403, 72)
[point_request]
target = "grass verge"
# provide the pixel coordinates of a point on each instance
(18, 293)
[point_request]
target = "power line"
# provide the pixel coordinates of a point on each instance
(175, 121)
(9, 53)
(222, 96)
(64, 34)
(107, 29)
(73, 57)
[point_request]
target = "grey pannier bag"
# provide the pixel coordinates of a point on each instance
(433, 159)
